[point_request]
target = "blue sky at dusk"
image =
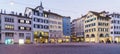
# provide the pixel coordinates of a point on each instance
(73, 8)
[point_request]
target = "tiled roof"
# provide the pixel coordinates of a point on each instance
(98, 14)
(52, 13)
(48, 12)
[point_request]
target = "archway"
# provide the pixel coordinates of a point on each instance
(87, 35)
(101, 35)
(92, 35)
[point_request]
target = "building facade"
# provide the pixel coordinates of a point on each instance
(55, 27)
(115, 27)
(97, 27)
(66, 28)
(78, 29)
(73, 27)
(74, 31)
(47, 26)
(40, 23)
(15, 29)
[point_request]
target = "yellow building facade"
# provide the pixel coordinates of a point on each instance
(97, 27)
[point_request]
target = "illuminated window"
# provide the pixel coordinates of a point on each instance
(21, 21)
(45, 15)
(9, 27)
(27, 21)
(22, 28)
(28, 28)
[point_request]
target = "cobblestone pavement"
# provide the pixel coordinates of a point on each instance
(64, 48)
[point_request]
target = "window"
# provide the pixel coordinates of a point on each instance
(115, 32)
(41, 20)
(24, 21)
(92, 35)
(35, 25)
(38, 26)
(21, 35)
(44, 21)
(34, 19)
(7, 34)
(47, 21)
(7, 19)
(28, 22)
(111, 32)
(22, 28)
(87, 35)
(28, 34)
(114, 27)
(59, 23)
(59, 26)
(28, 28)
(112, 21)
(21, 21)
(9, 27)
(41, 26)
(46, 15)
(101, 35)
(38, 20)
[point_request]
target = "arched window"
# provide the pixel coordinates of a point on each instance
(92, 35)
(87, 35)
(101, 35)
(107, 35)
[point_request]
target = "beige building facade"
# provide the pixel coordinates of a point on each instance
(97, 27)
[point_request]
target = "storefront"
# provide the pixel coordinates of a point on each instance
(117, 39)
(52, 40)
(105, 39)
(41, 37)
(92, 39)
(28, 40)
(9, 38)
(73, 38)
(21, 41)
(66, 39)
(9, 41)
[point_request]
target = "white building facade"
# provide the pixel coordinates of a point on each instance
(15, 29)
(40, 23)
(115, 27)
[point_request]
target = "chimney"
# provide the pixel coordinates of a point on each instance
(12, 12)
(4, 11)
(16, 13)
(25, 15)
(49, 10)
(20, 14)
